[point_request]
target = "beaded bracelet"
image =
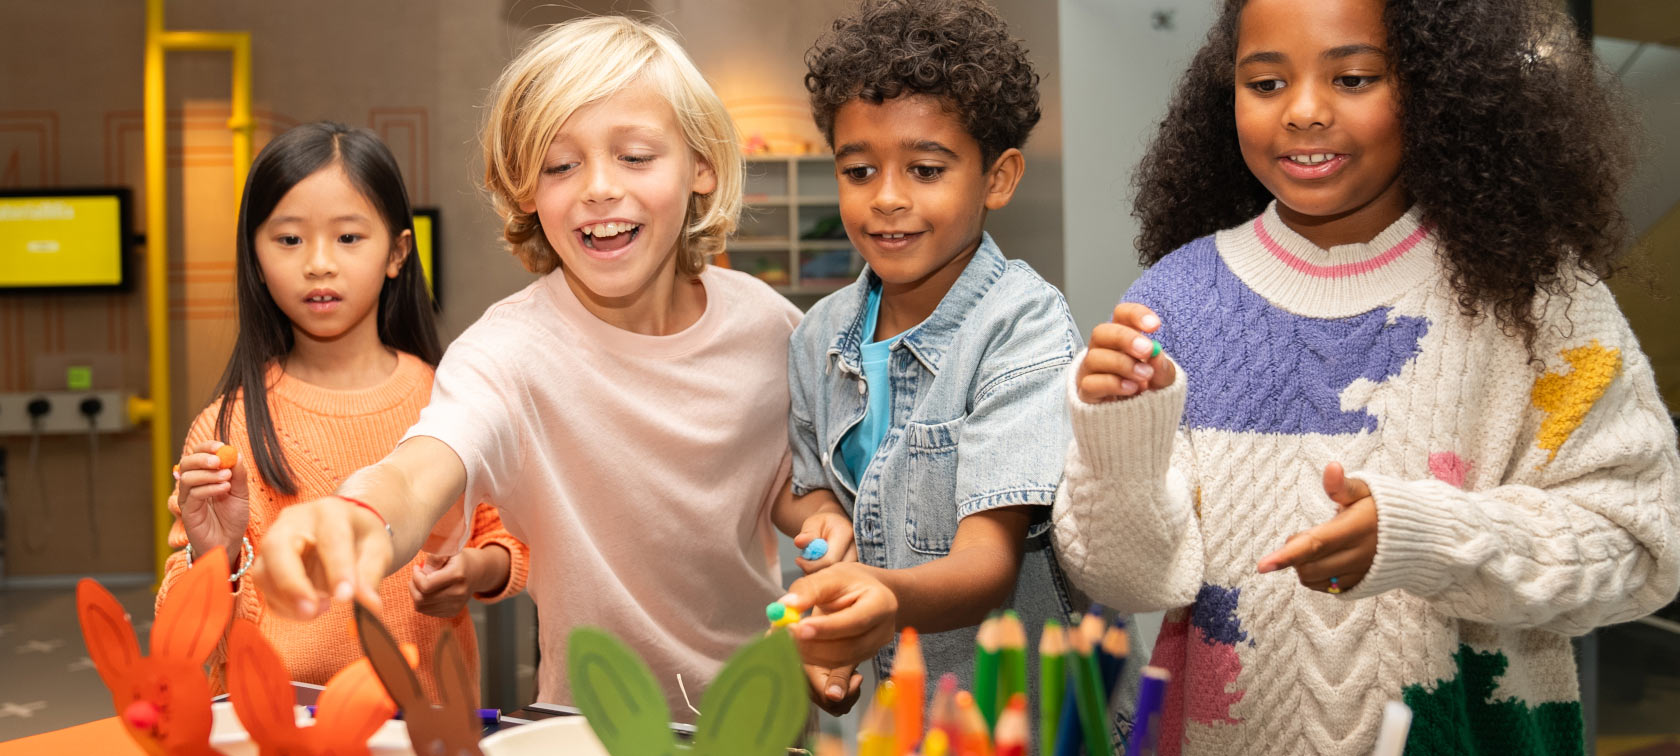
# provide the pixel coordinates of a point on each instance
(244, 565)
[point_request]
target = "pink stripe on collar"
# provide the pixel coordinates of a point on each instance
(1337, 271)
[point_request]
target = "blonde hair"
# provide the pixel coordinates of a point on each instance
(584, 61)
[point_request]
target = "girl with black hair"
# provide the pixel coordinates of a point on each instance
(333, 361)
(1378, 232)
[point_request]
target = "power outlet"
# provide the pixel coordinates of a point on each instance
(64, 412)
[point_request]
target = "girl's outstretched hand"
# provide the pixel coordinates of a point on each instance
(855, 615)
(214, 504)
(1341, 549)
(1122, 361)
(319, 552)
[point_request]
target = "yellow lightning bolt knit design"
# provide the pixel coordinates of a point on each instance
(1566, 398)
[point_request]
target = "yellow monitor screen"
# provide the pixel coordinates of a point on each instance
(63, 239)
(425, 246)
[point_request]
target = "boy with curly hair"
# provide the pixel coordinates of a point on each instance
(927, 397)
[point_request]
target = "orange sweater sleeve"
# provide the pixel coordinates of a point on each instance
(487, 529)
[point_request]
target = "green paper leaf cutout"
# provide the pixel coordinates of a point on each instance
(757, 705)
(618, 695)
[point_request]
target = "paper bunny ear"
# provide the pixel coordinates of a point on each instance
(195, 615)
(757, 705)
(259, 688)
(452, 729)
(106, 630)
(352, 707)
(388, 661)
(449, 668)
(618, 694)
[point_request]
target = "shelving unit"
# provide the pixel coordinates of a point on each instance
(787, 198)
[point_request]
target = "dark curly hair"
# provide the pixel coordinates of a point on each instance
(1512, 146)
(958, 50)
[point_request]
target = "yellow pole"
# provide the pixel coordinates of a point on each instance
(157, 408)
(157, 280)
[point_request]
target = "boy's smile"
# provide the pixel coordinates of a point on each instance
(615, 186)
(914, 192)
(1318, 115)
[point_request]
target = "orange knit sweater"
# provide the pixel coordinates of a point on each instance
(326, 435)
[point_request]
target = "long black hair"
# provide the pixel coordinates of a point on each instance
(1513, 145)
(265, 333)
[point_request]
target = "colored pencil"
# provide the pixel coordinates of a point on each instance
(1391, 738)
(942, 713)
(976, 739)
(909, 676)
(1052, 683)
(937, 743)
(986, 671)
(1012, 730)
(1012, 659)
(1146, 724)
(1088, 695)
(1116, 647)
(1070, 730)
(830, 745)
(875, 732)
(486, 717)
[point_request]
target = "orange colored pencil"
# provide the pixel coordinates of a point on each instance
(974, 739)
(1012, 729)
(909, 676)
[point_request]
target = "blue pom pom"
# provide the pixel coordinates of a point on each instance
(815, 550)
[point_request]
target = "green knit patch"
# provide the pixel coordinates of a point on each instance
(1459, 716)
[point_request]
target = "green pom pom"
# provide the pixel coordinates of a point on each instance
(775, 611)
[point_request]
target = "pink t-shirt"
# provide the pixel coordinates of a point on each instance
(639, 469)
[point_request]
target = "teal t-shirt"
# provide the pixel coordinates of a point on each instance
(858, 446)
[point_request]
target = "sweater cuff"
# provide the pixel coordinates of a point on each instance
(518, 569)
(1134, 434)
(1416, 521)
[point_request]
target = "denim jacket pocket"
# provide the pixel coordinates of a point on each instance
(930, 485)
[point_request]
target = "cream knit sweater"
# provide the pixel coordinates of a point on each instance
(1518, 503)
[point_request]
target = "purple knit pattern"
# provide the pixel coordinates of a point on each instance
(1215, 614)
(1253, 366)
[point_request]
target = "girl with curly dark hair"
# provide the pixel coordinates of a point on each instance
(1383, 357)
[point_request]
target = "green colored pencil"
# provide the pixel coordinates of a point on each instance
(1087, 692)
(1012, 659)
(1052, 684)
(986, 671)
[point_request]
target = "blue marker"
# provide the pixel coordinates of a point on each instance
(815, 550)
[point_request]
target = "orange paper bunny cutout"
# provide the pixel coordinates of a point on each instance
(163, 700)
(350, 710)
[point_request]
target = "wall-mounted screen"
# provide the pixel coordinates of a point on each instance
(426, 232)
(64, 239)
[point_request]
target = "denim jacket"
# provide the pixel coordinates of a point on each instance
(978, 422)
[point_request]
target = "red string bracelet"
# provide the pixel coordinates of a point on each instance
(365, 505)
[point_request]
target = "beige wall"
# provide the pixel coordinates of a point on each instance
(414, 72)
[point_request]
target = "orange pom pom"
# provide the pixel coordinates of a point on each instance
(228, 455)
